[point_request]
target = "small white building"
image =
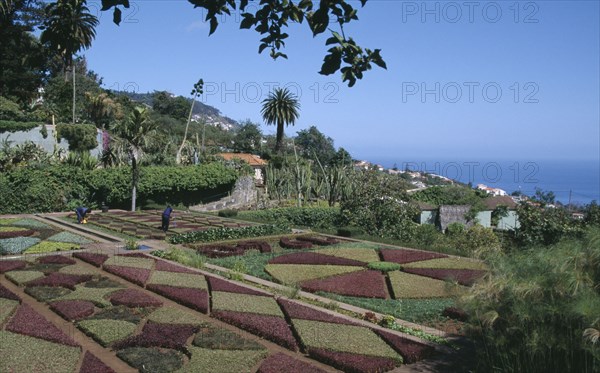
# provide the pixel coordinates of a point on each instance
(496, 192)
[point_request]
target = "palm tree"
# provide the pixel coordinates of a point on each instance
(281, 107)
(134, 130)
(68, 28)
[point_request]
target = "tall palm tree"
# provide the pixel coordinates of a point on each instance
(68, 28)
(134, 130)
(281, 107)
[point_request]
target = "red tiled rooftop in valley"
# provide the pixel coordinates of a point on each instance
(251, 159)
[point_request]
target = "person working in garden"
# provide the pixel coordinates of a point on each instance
(166, 218)
(82, 213)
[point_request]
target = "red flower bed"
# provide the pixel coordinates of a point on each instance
(91, 364)
(279, 362)
(28, 322)
(455, 313)
(272, 328)
(463, 276)
(321, 241)
(219, 251)
(352, 363)
(11, 265)
(160, 335)
(367, 284)
(406, 256)
(73, 309)
(314, 258)
(261, 246)
(138, 276)
(136, 255)
(216, 284)
(193, 298)
(134, 298)
(161, 265)
(294, 244)
(13, 234)
(56, 259)
(55, 279)
(411, 351)
(94, 259)
(7, 294)
(302, 312)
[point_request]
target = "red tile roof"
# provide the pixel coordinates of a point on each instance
(251, 159)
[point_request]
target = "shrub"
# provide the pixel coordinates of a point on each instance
(81, 137)
(227, 233)
(384, 266)
(131, 245)
(349, 231)
(314, 217)
(228, 213)
(10, 126)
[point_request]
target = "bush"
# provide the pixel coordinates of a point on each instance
(11, 126)
(227, 233)
(349, 231)
(81, 137)
(228, 213)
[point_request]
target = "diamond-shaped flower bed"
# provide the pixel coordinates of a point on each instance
(365, 255)
(184, 280)
(16, 245)
(107, 331)
(134, 298)
(92, 258)
(402, 256)
(69, 238)
(406, 285)
(171, 315)
(245, 303)
(48, 247)
(295, 310)
(279, 362)
(56, 259)
(138, 276)
(367, 284)
(28, 322)
(217, 284)
(173, 336)
(11, 265)
(204, 360)
(60, 279)
(191, 297)
(296, 273)
(73, 309)
(95, 295)
(164, 266)
(22, 277)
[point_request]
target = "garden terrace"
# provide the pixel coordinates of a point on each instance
(31, 236)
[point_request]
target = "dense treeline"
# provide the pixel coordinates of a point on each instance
(63, 187)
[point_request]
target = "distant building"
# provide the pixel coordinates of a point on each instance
(362, 165)
(492, 191)
(256, 162)
(510, 221)
(429, 213)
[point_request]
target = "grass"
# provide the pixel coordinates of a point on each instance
(406, 285)
(107, 331)
(48, 247)
(343, 338)
(413, 310)
(94, 295)
(21, 277)
(184, 280)
(21, 353)
(245, 303)
(128, 261)
(357, 253)
(449, 263)
(7, 306)
(295, 273)
(170, 315)
(204, 360)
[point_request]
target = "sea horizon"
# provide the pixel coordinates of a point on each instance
(575, 181)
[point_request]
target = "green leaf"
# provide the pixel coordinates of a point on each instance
(331, 62)
(213, 25)
(117, 16)
(248, 21)
(262, 47)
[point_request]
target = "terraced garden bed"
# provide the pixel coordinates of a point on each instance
(30, 236)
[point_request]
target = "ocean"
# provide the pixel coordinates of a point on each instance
(577, 181)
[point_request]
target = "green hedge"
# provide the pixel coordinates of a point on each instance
(226, 233)
(60, 188)
(314, 217)
(12, 126)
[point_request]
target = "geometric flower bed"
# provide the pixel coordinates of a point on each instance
(402, 256)
(31, 236)
(279, 362)
(406, 285)
(367, 284)
(464, 277)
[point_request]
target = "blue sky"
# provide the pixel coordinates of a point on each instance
(502, 80)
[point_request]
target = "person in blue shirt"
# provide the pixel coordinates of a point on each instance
(82, 213)
(166, 218)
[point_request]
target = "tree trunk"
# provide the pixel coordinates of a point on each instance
(134, 180)
(73, 70)
(279, 137)
(178, 157)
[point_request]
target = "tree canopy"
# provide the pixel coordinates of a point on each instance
(273, 17)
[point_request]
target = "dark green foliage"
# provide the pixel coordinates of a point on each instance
(592, 214)
(81, 137)
(228, 213)
(46, 293)
(11, 126)
(124, 313)
(348, 231)
(538, 310)
(247, 138)
(448, 195)
(226, 233)
(540, 225)
(313, 143)
(152, 360)
(314, 217)
(214, 338)
(25, 190)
